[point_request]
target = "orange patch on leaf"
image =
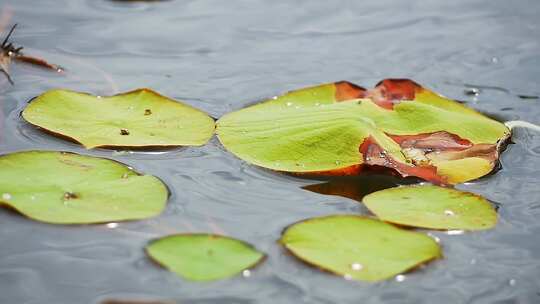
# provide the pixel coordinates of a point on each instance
(347, 171)
(375, 155)
(441, 141)
(391, 91)
(346, 91)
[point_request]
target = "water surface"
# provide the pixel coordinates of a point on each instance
(221, 55)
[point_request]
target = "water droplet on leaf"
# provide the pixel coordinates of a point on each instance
(356, 266)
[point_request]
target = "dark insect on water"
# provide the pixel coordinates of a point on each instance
(9, 52)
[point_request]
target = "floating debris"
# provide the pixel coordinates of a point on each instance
(70, 195)
(472, 91)
(527, 96)
(9, 52)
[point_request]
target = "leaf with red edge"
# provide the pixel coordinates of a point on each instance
(341, 129)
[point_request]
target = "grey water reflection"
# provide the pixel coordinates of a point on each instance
(221, 55)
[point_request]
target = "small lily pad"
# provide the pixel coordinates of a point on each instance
(432, 207)
(357, 247)
(67, 188)
(140, 118)
(203, 257)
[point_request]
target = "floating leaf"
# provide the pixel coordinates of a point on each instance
(358, 248)
(432, 207)
(140, 118)
(67, 188)
(338, 128)
(203, 257)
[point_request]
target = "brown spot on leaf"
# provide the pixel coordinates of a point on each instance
(441, 146)
(432, 141)
(486, 151)
(147, 112)
(346, 90)
(391, 91)
(70, 196)
(124, 132)
(375, 155)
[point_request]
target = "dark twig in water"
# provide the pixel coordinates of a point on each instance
(8, 51)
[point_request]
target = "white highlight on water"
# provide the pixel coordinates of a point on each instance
(521, 124)
(112, 225)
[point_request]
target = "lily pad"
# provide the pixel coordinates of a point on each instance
(67, 188)
(203, 257)
(432, 207)
(357, 247)
(140, 118)
(340, 128)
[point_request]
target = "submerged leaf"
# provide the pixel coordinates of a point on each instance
(339, 128)
(356, 187)
(203, 257)
(358, 248)
(67, 188)
(140, 118)
(432, 207)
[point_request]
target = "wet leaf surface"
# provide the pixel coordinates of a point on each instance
(432, 207)
(138, 119)
(340, 128)
(357, 247)
(203, 257)
(67, 188)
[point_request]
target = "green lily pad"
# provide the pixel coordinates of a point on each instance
(140, 118)
(203, 257)
(67, 188)
(432, 207)
(357, 247)
(340, 128)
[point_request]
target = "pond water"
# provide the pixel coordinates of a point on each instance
(221, 55)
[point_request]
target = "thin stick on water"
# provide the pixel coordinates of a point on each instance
(9, 52)
(8, 35)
